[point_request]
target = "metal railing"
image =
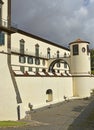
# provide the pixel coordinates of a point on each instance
(26, 52)
(29, 53)
(3, 22)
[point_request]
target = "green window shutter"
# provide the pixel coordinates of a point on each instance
(2, 38)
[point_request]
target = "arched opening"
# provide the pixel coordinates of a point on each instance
(49, 95)
(65, 67)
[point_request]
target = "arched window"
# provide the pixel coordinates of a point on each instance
(88, 50)
(48, 53)
(1, 3)
(37, 50)
(75, 49)
(49, 94)
(22, 48)
(65, 54)
(57, 54)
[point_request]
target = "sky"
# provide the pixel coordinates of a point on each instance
(59, 21)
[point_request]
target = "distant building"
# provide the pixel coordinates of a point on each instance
(35, 72)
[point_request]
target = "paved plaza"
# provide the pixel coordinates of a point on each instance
(68, 115)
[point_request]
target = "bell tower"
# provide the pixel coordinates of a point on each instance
(80, 57)
(80, 68)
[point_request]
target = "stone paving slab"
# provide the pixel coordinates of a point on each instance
(56, 117)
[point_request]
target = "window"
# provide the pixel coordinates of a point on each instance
(37, 50)
(75, 50)
(58, 64)
(2, 38)
(0, 13)
(49, 94)
(30, 60)
(37, 70)
(43, 62)
(58, 71)
(22, 46)
(22, 59)
(1, 3)
(65, 65)
(48, 53)
(88, 50)
(57, 54)
(43, 70)
(22, 69)
(37, 61)
(65, 54)
(29, 68)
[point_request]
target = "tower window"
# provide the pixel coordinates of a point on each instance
(88, 50)
(75, 50)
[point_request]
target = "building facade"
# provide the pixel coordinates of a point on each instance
(35, 72)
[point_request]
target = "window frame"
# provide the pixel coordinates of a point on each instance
(22, 59)
(65, 65)
(43, 62)
(22, 69)
(75, 49)
(88, 51)
(22, 46)
(37, 50)
(1, 3)
(30, 60)
(58, 54)
(2, 38)
(48, 53)
(37, 61)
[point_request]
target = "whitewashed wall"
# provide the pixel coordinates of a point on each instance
(83, 86)
(30, 45)
(8, 104)
(4, 11)
(33, 90)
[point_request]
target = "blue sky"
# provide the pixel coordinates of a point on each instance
(60, 21)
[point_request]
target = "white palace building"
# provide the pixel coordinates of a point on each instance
(35, 72)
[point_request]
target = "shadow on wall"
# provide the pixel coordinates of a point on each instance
(84, 120)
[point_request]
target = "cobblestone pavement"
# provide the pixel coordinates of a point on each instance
(61, 116)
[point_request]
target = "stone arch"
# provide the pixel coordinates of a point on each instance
(51, 66)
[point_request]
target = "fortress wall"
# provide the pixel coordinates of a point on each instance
(8, 105)
(83, 86)
(33, 90)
